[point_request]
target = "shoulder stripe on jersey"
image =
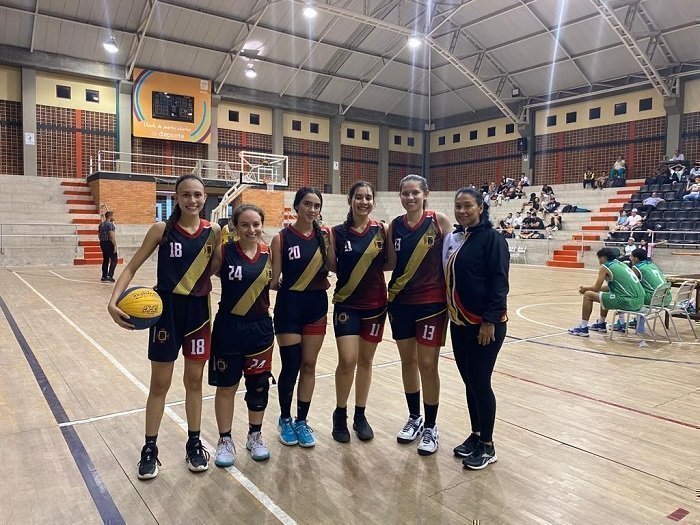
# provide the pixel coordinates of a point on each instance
(421, 250)
(197, 268)
(311, 270)
(360, 269)
(251, 295)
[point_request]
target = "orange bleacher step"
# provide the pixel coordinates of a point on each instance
(86, 232)
(585, 237)
(92, 249)
(87, 221)
(89, 243)
(83, 212)
(620, 200)
(80, 201)
(627, 191)
(595, 227)
(565, 264)
(613, 209)
(86, 193)
(576, 247)
(603, 218)
(74, 183)
(569, 258)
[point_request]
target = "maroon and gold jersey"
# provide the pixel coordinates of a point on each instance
(184, 261)
(360, 262)
(302, 262)
(245, 282)
(418, 276)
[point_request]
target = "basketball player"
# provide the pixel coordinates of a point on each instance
(242, 337)
(417, 310)
(649, 275)
(188, 253)
(616, 288)
(476, 263)
(299, 256)
(108, 246)
(358, 256)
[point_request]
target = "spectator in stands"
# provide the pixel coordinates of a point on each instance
(524, 180)
(555, 224)
(634, 221)
(589, 178)
(662, 176)
(677, 156)
(552, 205)
(647, 246)
(531, 224)
(628, 249)
(108, 245)
(649, 204)
(618, 173)
(678, 173)
(533, 198)
(695, 172)
(518, 220)
(693, 191)
(602, 182)
(621, 220)
(546, 191)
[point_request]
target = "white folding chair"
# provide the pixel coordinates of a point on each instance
(522, 253)
(513, 251)
(655, 310)
(680, 307)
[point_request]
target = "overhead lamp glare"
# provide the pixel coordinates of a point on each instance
(414, 42)
(250, 70)
(310, 11)
(110, 45)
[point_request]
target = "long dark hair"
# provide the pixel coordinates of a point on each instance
(349, 223)
(177, 212)
(300, 194)
(420, 180)
(479, 199)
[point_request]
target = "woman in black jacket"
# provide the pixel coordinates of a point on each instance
(476, 262)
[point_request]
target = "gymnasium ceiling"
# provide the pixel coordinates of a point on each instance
(354, 54)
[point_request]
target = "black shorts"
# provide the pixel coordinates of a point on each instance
(240, 347)
(426, 322)
(301, 312)
(185, 323)
(368, 324)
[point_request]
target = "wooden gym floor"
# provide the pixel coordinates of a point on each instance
(586, 431)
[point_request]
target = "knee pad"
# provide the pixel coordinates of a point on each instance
(256, 395)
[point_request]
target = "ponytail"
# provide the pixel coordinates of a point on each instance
(322, 247)
(170, 223)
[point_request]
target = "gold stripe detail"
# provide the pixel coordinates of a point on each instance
(359, 271)
(421, 250)
(254, 290)
(198, 328)
(449, 272)
(197, 268)
(311, 270)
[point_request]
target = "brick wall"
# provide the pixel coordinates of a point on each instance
(271, 203)
(133, 202)
(358, 163)
(66, 138)
(690, 136)
(563, 157)
(453, 169)
(11, 158)
(232, 142)
(164, 150)
(308, 163)
(402, 164)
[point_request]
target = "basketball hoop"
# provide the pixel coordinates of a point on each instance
(269, 184)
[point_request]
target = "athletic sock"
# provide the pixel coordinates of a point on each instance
(413, 402)
(192, 436)
(303, 410)
(341, 411)
(359, 412)
(430, 414)
(224, 434)
(601, 320)
(584, 324)
(254, 428)
(151, 440)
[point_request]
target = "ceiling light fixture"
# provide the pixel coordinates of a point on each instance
(250, 70)
(515, 92)
(414, 42)
(110, 45)
(309, 11)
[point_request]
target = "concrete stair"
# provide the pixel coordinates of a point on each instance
(570, 255)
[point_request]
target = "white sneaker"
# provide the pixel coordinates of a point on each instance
(225, 453)
(411, 430)
(429, 442)
(258, 448)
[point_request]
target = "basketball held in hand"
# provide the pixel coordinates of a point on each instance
(142, 305)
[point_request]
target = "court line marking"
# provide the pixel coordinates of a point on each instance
(258, 494)
(519, 314)
(75, 280)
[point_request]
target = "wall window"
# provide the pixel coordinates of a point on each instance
(645, 104)
(551, 120)
(571, 117)
(313, 127)
(491, 132)
(397, 140)
(365, 134)
(456, 137)
(350, 133)
(255, 119)
(510, 128)
(441, 141)
(92, 95)
(410, 141)
(62, 91)
(593, 113)
(296, 125)
(621, 108)
(473, 134)
(233, 116)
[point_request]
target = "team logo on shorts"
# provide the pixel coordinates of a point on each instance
(162, 335)
(430, 240)
(342, 317)
(221, 365)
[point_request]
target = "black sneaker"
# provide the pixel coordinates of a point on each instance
(110, 279)
(481, 457)
(148, 466)
(466, 448)
(104, 279)
(197, 456)
(340, 428)
(361, 426)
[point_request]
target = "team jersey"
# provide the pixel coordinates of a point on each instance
(302, 262)
(651, 278)
(418, 275)
(622, 281)
(360, 266)
(245, 282)
(184, 260)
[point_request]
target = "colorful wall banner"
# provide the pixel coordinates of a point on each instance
(171, 107)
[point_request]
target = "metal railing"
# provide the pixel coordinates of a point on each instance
(159, 165)
(35, 226)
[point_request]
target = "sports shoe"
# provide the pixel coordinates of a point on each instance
(304, 434)
(580, 331)
(110, 279)
(466, 448)
(258, 448)
(632, 324)
(361, 426)
(197, 456)
(104, 279)
(148, 466)
(225, 452)
(340, 430)
(599, 327)
(619, 327)
(287, 434)
(411, 430)
(481, 457)
(429, 441)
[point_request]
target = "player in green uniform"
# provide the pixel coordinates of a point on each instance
(616, 288)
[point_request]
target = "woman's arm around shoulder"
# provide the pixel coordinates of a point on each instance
(331, 260)
(276, 255)
(390, 263)
(445, 223)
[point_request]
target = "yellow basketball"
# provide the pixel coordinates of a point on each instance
(142, 305)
